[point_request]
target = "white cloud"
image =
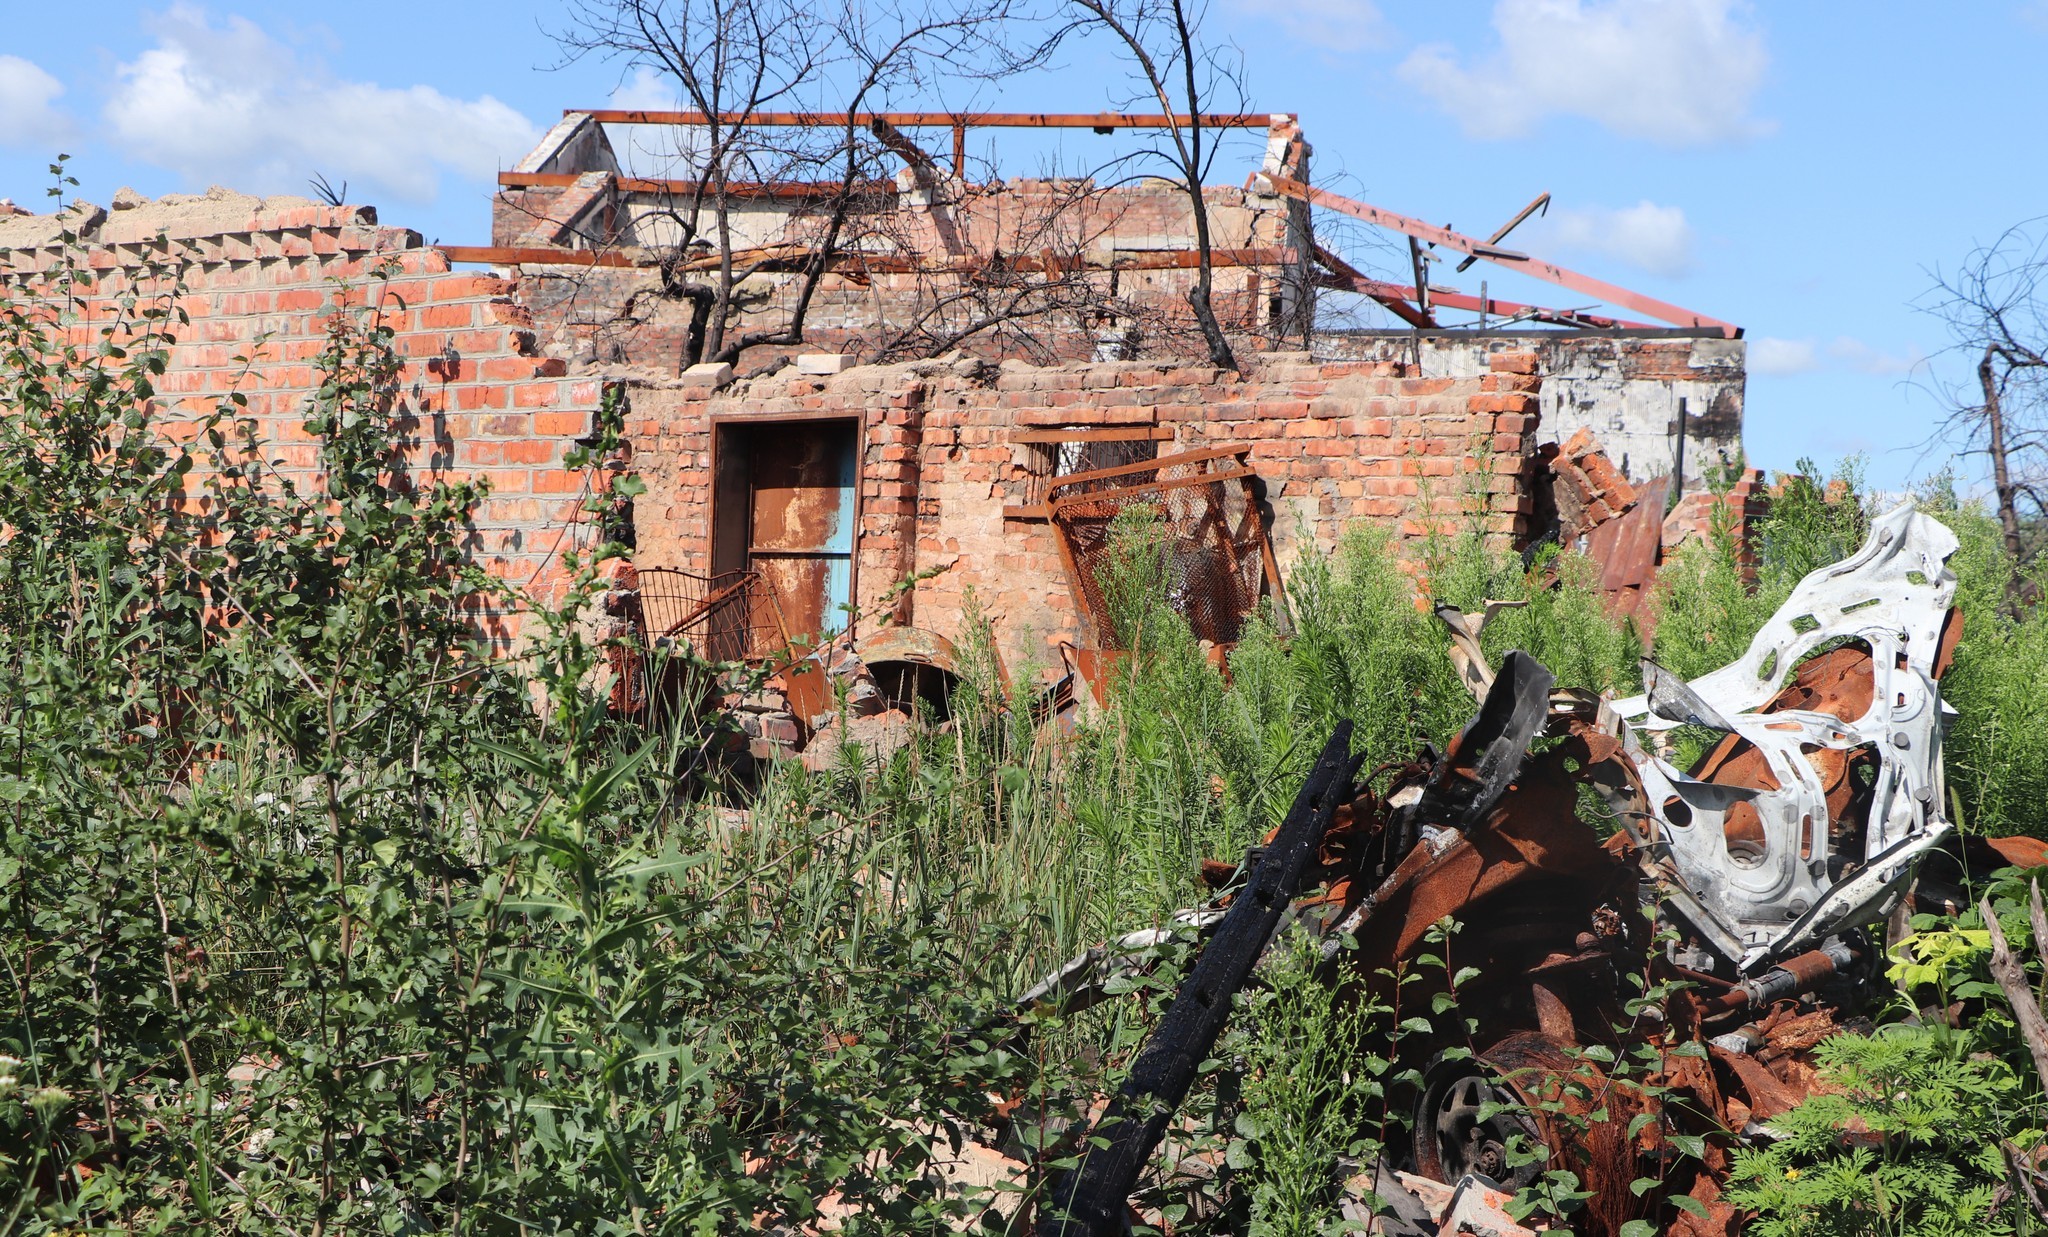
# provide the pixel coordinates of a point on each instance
(1859, 356)
(659, 151)
(1647, 236)
(1779, 357)
(230, 104)
(1326, 25)
(648, 90)
(28, 113)
(1674, 72)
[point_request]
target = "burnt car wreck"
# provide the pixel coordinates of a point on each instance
(1706, 925)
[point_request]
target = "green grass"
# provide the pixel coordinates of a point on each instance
(320, 919)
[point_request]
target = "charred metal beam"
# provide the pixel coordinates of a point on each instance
(1101, 121)
(1091, 1199)
(1486, 755)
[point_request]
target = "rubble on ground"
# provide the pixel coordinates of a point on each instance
(1767, 869)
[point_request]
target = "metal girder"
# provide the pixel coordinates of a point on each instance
(509, 255)
(1512, 259)
(740, 189)
(1395, 295)
(939, 120)
(1541, 202)
(1044, 262)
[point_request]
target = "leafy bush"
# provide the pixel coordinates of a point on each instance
(317, 923)
(1908, 1144)
(321, 918)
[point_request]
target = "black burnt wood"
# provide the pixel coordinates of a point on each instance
(1094, 1198)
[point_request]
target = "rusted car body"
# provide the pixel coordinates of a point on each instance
(1707, 925)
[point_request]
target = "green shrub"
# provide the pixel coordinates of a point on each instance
(1927, 1112)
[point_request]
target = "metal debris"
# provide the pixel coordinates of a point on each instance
(1212, 554)
(1762, 868)
(1768, 860)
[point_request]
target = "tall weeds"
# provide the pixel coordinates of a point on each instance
(320, 919)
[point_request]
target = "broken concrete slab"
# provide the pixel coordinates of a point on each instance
(708, 373)
(823, 364)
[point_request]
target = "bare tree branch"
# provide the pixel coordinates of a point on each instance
(733, 59)
(1162, 41)
(1997, 318)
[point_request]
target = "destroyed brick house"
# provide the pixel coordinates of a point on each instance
(853, 476)
(838, 483)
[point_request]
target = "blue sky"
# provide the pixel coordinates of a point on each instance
(1796, 168)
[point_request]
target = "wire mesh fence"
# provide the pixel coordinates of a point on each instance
(1186, 526)
(733, 616)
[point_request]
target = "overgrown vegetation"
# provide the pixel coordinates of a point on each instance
(322, 920)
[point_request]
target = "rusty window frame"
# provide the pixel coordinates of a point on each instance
(1053, 441)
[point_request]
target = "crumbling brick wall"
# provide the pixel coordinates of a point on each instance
(942, 476)
(620, 315)
(1623, 386)
(927, 247)
(1332, 443)
(260, 282)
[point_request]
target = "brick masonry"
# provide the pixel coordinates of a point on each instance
(1333, 444)
(1623, 387)
(262, 278)
(621, 315)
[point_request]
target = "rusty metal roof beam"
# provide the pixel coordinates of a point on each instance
(1513, 260)
(1393, 294)
(939, 120)
(1028, 263)
(635, 184)
(514, 255)
(1395, 299)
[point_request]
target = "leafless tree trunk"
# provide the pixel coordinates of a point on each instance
(1994, 446)
(1996, 308)
(1161, 38)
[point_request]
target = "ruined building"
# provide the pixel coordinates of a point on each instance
(892, 460)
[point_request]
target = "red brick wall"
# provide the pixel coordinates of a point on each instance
(260, 282)
(616, 315)
(1333, 445)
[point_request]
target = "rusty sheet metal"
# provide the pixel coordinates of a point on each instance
(1838, 683)
(800, 522)
(1205, 528)
(1532, 846)
(1585, 1117)
(914, 645)
(2020, 852)
(911, 667)
(1626, 548)
(807, 687)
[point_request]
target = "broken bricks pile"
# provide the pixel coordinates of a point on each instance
(1627, 529)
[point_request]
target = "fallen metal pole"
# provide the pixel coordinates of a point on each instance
(1092, 1198)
